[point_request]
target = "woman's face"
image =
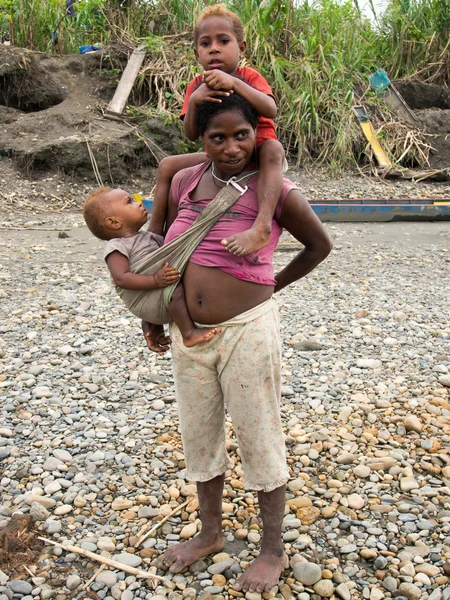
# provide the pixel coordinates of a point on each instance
(229, 141)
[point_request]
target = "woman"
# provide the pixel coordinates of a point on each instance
(239, 368)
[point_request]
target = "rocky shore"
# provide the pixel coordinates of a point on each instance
(90, 446)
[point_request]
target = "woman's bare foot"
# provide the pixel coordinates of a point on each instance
(248, 241)
(199, 335)
(182, 555)
(263, 574)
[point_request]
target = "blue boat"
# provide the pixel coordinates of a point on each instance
(360, 211)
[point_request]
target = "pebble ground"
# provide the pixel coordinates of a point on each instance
(90, 447)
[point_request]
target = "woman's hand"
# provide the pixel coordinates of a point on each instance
(166, 276)
(155, 338)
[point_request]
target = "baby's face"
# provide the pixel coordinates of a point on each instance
(124, 208)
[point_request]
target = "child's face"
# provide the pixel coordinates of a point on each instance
(123, 208)
(217, 46)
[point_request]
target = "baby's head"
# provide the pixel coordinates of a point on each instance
(113, 213)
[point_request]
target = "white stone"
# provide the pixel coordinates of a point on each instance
(408, 483)
(356, 501)
(362, 471)
(307, 573)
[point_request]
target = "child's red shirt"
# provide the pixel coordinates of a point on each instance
(266, 127)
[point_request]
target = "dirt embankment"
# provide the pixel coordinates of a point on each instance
(52, 123)
(56, 144)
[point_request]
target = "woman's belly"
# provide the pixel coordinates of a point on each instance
(213, 296)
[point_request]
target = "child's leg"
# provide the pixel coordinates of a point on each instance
(167, 168)
(270, 183)
(192, 335)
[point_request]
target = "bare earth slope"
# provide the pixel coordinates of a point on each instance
(53, 133)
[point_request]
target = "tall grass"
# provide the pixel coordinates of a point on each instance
(317, 54)
(416, 38)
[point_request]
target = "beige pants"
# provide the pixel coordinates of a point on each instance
(239, 370)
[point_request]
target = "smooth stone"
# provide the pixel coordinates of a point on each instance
(356, 501)
(324, 588)
(411, 591)
(51, 526)
(62, 455)
(105, 543)
(19, 586)
(343, 592)
(73, 581)
(220, 567)
(109, 578)
(412, 423)
(121, 504)
(408, 483)
(47, 502)
(188, 531)
(362, 471)
(253, 537)
(39, 512)
(132, 560)
(307, 573)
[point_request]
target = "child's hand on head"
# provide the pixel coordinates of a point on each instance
(166, 276)
(218, 80)
(204, 94)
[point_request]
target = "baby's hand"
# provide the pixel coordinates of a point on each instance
(166, 276)
(218, 80)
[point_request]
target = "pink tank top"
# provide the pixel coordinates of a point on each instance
(256, 267)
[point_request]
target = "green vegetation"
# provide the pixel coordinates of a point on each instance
(317, 54)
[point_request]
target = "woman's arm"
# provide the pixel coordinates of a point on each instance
(299, 219)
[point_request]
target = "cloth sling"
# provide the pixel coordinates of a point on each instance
(152, 305)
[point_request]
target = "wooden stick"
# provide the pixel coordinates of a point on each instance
(28, 571)
(107, 561)
(86, 585)
(141, 537)
(32, 229)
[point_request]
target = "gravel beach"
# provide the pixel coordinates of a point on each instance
(90, 447)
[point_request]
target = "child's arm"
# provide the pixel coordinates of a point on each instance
(202, 94)
(264, 104)
(119, 267)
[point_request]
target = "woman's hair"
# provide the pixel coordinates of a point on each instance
(234, 103)
(95, 212)
(220, 10)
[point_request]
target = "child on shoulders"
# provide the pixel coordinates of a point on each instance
(219, 45)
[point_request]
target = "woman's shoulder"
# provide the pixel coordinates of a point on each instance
(187, 178)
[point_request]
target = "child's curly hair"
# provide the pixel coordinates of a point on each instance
(95, 213)
(220, 10)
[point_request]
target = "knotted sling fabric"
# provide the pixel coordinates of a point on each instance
(153, 305)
